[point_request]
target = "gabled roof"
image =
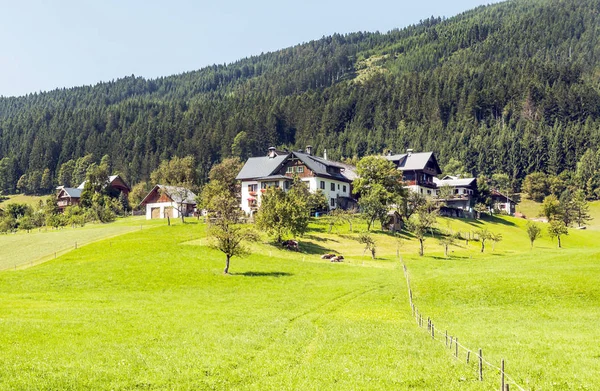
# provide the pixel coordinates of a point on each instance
(454, 181)
(496, 193)
(264, 166)
(319, 166)
(72, 192)
(111, 179)
(259, 167)
(178, 194)
(414, 161)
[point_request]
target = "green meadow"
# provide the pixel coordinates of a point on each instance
(24, 249)
(151, 309)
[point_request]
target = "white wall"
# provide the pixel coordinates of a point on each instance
(162, 206)
(314, 184)
(338, 189)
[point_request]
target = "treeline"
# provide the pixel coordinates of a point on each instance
(512, 88)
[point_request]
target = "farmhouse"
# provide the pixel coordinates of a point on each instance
(69, 196)
(169, 201)
(277, 169)
(418, 170)
(503, 203)
(420, 173)
(462, 196)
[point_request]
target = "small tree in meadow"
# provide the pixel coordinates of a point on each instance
(421, 223)
(533, 232)
(446, 241)
(224, 214)
(484, 235)
(366, 239)
(495, 238)
(556, 229)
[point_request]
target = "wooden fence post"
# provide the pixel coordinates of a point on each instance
(468, 355)
(446, 338)
(502, 375)
(480, 366)
(456, 346)
(432, 332)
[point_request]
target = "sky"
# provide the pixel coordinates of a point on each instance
(65, 43)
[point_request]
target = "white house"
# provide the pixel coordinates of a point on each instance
(167, 201)
(278, 168)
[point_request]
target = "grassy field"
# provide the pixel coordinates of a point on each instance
(154, 311)
(25, 199)
(23, 249)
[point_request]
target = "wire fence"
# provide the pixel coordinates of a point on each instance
(24, 264)
(459, 351)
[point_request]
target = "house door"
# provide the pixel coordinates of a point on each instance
(155, 213)
(169, 212)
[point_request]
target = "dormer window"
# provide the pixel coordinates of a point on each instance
(300, 169)
(290, 170)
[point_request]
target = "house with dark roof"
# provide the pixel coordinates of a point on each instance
(69, 196)
(502, 202)
(278, 168)
(418, 170)
(461, 198)
(169, 202)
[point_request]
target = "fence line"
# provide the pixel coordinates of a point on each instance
(62, 251)
(450, 340)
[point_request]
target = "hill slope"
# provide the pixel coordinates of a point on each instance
(519, 80)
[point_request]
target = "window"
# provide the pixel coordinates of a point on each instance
(429, 192)
(332, 202)
(300, 169)
(332, 187)
(252, 188)
(290, 170)
(344, 188)
(322, 185)
(338, 186)
(286, 185)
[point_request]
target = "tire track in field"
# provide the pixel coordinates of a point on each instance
(330, 307)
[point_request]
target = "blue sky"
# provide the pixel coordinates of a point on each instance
(65, 43)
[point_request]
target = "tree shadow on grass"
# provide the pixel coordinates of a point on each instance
(320, 239)
(263, 274)
(313, 248)
(497, 220)
(450, 258)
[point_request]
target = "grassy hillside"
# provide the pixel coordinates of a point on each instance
(23, 249)
(25, 199)
(154, 311)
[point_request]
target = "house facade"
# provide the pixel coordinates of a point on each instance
(169, 202)
(278, 168)
(70, 196)
(463, 194)
(418, 170)
(503, 203)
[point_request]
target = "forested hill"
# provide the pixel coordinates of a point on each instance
(512, 87)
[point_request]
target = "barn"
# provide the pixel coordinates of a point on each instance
(168, 201)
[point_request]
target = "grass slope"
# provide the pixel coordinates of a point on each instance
(23, 249)
(153, 311)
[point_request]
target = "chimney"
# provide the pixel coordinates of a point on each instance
(272, 152)
(325, 154)
(309, 149)
(409, 151)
